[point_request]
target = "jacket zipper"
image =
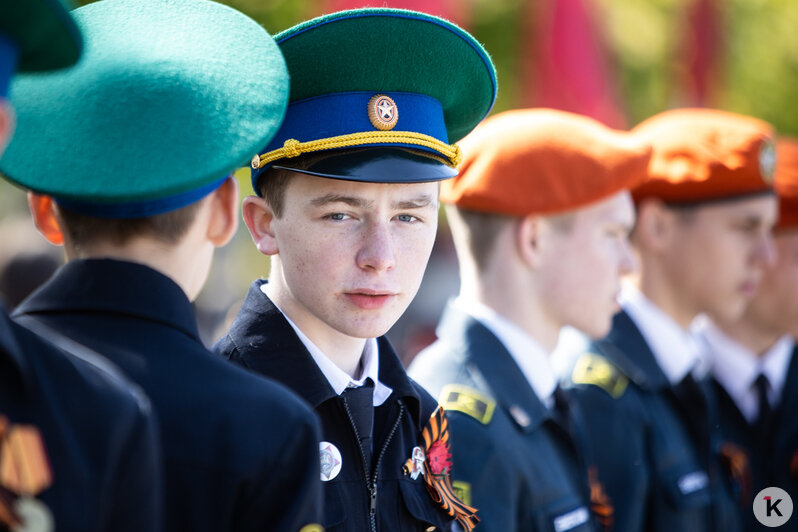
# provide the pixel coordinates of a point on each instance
(372, 486)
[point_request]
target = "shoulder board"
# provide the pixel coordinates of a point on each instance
(597, 370)
(468, 401)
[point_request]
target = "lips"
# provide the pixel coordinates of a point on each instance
(369, 299)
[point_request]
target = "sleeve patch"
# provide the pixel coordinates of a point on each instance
(468, 401)
(597, 370)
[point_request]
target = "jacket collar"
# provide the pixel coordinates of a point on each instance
(627, 349)
(484, 353)
(268, 345)
(112, 286)
(10, 350)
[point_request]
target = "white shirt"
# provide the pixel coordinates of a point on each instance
(736, 367)
(675, 349)
(338, 378)
(525, 350)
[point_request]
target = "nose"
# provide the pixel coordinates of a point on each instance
(376, 252)
(765, 250)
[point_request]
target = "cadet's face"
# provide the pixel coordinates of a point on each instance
(584, 263)
(353, 254)
(718, 254)
(775, 307)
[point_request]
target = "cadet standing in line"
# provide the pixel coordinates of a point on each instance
(754, 366)
(348, 210)
(130, 155)
(702, 235)
(78, 446)
(540, 215)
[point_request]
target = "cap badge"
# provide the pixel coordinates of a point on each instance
(767, 160)
(331, 461)
(383, 112)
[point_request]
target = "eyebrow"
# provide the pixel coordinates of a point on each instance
(419, 202)
(340, 198)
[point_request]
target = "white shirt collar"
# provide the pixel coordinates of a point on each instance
(736, 367)
(675, 349)
(525, 350)
(338, 378)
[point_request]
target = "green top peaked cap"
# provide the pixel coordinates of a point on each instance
(169, 96)
(44, 33)
(383, 49)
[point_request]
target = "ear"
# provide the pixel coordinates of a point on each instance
(224, 213)
(528, 235)
(42, 208)
(7, 123)
(258, 217)
(654, 225)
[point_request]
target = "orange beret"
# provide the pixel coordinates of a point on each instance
(705, 154)
(542, 161)
(787, 182)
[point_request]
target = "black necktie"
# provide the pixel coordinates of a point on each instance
(761, 385)
(694, 409)
(360, 405)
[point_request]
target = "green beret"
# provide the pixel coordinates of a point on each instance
(169, 98)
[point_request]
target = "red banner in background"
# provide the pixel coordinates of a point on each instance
(457, 11)
(565, 63)
(703, 46)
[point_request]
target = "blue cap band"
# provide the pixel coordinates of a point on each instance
(8, 63)
(140, 209)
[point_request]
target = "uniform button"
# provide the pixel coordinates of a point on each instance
(431, 529)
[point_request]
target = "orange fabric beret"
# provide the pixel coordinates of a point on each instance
(787, 182)
(543, 161)
(706, 154)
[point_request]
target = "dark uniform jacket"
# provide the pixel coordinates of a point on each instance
(769, 459)
(241, 452)
(97, 435)
(383, 498)
(510, 458)
(655, 446)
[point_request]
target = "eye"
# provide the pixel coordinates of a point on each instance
(337, 216)
(407, 218)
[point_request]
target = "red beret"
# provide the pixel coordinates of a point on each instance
(542, 161)
(705, 154)
(787, 182)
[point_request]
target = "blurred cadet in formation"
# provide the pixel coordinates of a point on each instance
(78, 445)
(540, 215)
(753, 363)
(704, 219)
(140, 138)
(347, 207)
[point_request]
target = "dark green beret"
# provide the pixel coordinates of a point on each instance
(168, 99)
(44, 34)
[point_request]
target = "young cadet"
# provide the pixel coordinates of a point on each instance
(753, 363)
(139, 140)
(347, 207)
(702, 236)
(78, 447)
(540, 216)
